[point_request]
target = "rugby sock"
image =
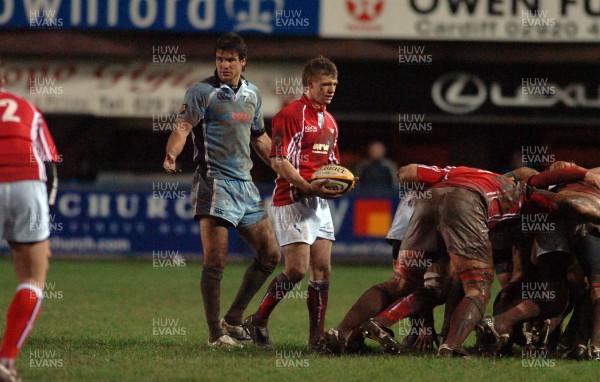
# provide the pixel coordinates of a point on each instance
(20, 319)
(277, 290)
(254, 278)
(454, 297)
(318, 293)
(466, 316)
(210, 286)
(371, 303)
(423, 298)
(526, 309)
(595, 340)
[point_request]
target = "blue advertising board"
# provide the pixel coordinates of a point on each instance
(159, 219)
(277, 17)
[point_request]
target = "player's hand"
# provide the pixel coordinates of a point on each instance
(559, 165)
(170, 164)
(426, 339)
(317, 188)
(592, 179)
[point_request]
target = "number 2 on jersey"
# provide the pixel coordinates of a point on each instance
(9, 113)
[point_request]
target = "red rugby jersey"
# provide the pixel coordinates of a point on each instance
(502, 196)
(25, 141)
(306, 134)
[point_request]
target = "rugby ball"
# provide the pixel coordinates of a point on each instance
(340, 178)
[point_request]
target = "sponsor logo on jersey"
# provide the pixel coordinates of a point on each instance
(320, 148)
(310, 129)
(241, 117)
(223, 96)
(246, 97)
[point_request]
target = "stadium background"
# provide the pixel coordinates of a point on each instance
(440, 82)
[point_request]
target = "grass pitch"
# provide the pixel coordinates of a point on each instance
(131, 321)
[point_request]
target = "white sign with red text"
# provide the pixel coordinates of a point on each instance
(483, 20)
(134, 89)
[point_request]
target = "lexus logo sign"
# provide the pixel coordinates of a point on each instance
(462, 93)
(459, 93)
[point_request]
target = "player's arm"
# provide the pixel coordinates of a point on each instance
(564, 175)
(51, 157)
(427, 175)
(262, 146)
(175, 144)
(259, 139)
(408, 173)
(563, 164)
(284, 168)
(592, 178)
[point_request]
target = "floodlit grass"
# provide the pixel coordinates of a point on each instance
(129, 321)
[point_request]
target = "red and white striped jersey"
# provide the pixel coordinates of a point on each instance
(25, 141)
(502, 196)
(306, 134)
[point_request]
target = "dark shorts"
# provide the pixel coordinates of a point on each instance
(587, 250)
(453, 220)
(503, 236)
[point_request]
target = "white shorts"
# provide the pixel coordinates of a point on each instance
(24, 214)
(402, 217)
(303, 221)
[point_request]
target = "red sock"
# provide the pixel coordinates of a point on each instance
(318, 295)
(277, 290)
(21, 316)
(401, 308)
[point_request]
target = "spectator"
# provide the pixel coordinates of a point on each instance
(377, 170)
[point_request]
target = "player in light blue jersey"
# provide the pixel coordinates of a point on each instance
(224, 115)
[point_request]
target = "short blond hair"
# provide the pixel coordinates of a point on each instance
(316, 67)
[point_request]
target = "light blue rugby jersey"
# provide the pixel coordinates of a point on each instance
(223, 123)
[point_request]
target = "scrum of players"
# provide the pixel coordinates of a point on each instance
(539, 232)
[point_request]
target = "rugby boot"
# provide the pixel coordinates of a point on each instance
(594, 353)
(225, 342)
(259, 334)
(578, 353)
(334, 343)
(383, 335)
(444, 351)
(236, 332)
(489, 341)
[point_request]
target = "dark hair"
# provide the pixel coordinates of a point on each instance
(318, 66)
(234, 43)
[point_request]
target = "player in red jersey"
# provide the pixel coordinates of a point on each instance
(464, 204)
(552, 252)
(474, 201)
(25, 144)
(304, 139)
